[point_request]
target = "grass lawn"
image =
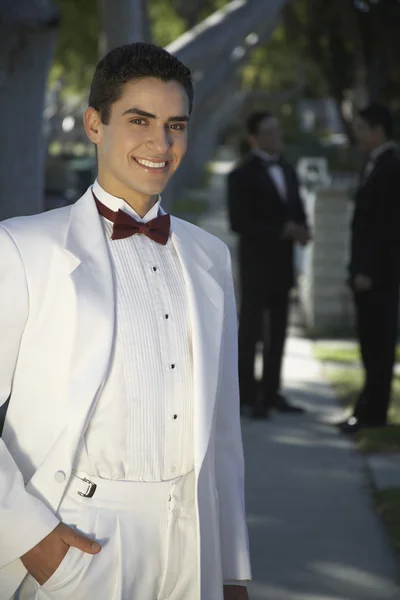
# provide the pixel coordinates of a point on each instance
(347, 383)
(345, 355)
(388, 506)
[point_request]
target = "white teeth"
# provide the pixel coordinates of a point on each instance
(152, 165)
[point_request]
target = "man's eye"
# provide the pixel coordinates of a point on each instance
(178, 126)
(138, 121)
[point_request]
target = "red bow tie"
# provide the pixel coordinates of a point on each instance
(124, 225)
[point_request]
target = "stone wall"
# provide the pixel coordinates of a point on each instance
(324, 295)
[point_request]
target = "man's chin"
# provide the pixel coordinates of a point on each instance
(149, 188)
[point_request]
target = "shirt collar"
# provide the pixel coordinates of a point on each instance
(381, 149)
(265, 156)
(115, 204)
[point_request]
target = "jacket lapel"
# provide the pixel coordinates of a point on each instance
(90, 271)
(206, 303)
(92, 278)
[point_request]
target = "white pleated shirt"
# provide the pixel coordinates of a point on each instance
(142, 427)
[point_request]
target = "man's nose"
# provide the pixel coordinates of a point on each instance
(160, 140)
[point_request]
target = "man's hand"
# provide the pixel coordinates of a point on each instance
(289, 230)
(297, 233)
(45, 558)
(362, 283)
(235, 592)
(302, 235)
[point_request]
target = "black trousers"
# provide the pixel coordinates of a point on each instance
(377, 322)
(263, 317)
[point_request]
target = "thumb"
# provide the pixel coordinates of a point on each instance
(75, 539)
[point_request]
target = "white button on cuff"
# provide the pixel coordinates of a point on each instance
(60, 476)
(173, 468)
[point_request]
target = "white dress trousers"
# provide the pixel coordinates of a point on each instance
(148, 533)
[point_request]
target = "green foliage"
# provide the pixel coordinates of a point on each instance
(320, 47)
(171, 18)
(194, 11)
(309, 49)
(278, 65)
(331, 48)
(166, 24)
(77, 48)
(78, 43)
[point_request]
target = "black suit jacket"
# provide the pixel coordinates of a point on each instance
(375, 229)
(258, 214)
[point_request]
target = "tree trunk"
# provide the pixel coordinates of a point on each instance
(123, 22)
(27, 44)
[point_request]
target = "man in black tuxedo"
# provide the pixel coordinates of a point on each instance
(374, 270)
(266, 210)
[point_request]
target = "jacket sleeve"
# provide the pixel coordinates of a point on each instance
(300, 213)
(229, 450)
(24, 520)
(378, 228)
(241, 217)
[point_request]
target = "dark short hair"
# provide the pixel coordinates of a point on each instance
(377, 115)
(254, 120)
(132, 62)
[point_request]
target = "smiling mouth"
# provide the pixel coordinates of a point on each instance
(150, 164)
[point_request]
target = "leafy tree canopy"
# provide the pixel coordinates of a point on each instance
(78, 45)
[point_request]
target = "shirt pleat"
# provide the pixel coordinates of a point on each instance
(142, 427)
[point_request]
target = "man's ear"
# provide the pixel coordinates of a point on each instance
(251, 140)
(93, 125)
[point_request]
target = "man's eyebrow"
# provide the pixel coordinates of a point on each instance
(142, 113)
(182, 118)
(139, 112)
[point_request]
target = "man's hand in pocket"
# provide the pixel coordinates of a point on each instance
(45, 558)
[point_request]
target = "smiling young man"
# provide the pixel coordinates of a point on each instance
(121, 464)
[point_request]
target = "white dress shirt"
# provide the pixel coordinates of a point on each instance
(142, 427)
(275, 171)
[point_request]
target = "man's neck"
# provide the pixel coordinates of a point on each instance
(141, 203)
(265, 155)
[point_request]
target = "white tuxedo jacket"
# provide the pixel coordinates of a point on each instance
(56, 323)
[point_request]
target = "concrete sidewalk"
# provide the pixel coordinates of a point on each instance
(314, 534)
(313, 531)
